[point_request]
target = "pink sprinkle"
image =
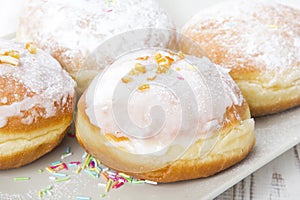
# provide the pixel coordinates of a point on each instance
(112, 177)
(118, 185)
(109, 10)
(65, 166)
(180, 78)
(75, 162)
(121, 179)
(92, 164)
(72, 135)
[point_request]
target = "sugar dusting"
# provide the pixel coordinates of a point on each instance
(44, 79)
(72, 29)
(261, 33)
(213, 91)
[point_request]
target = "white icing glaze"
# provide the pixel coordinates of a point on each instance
(42, 76)
(74, 28)
(213, 91)
(266, 33)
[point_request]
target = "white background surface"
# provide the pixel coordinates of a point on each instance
(280, 179)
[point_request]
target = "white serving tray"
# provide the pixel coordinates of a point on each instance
(275, 135)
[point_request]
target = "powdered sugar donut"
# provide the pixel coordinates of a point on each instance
(259, 41)
(70, 30)
(36, 103)
(155, 115)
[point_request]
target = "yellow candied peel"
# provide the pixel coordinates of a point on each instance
(144, 87)
(11, 53)
(126, 79)
(143, 58)
(151, 78)
(9, 60)
(140, 68)
(31, 48)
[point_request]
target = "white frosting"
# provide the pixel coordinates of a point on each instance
(210, 88)
(74, 28)
(46, 83)
(263, 32)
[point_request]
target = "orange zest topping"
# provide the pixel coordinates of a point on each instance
(140, 68)
(126, 79)
(31, 48)
(143, 58)
(144, 87)
(151, 78)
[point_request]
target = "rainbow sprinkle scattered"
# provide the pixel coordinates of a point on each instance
(89, 165)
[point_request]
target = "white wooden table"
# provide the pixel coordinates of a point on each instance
(278, 180)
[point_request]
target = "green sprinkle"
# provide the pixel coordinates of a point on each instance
(62, 179)
(134, 181)
(102, 195)
(21, 178)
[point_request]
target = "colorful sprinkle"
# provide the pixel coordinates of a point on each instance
(82, 198)
(180, 78)
(108, 186)
(22, 178)
(119, 184)
(50, 170)
(150, 182)
(68, 149)
(52, 178)
(62, 179)
(59, 174)
(41, 193)
(66, 155)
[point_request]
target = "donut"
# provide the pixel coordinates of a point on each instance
(259, 42)
(164, 116)
(36, 103)
(70, 30)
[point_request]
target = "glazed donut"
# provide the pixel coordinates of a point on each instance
(204, 125)
(36, 103)
(70, 30)
(259, 42)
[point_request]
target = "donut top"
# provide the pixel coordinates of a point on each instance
(247, 34)
(31, 79)
(147, 99)
(71, 29)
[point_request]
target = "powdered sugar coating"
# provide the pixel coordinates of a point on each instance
(261, 34)
(70, 30)
(40, 81)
